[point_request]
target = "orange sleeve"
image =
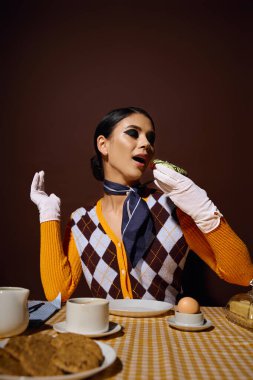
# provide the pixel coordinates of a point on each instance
(221, 249)
(60, 265)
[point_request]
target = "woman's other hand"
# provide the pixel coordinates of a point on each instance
(187, 196)
(49, 206)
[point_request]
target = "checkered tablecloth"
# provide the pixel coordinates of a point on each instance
(148, 348)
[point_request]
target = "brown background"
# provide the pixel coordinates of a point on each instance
(65, 64)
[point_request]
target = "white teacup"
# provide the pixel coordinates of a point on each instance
(186, 319)
(87, 315)
(14, 315)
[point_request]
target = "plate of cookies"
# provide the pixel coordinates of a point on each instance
(62, 357)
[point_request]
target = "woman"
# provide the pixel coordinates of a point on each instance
(134, 242)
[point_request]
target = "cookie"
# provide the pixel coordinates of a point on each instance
(76, 339)
(76, 353)
(169, 165)
(63, 339)
(9, 365)
(42, 355)
(37, 356)
(15, 346)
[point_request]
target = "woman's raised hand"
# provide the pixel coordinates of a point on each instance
(187, 196)
(49, 206)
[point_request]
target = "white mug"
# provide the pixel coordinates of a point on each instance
(87, 315)
(14, 315)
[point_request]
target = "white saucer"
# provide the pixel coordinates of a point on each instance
(113, 328)
(205, 325)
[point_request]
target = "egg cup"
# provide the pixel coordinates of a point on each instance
(187, 319)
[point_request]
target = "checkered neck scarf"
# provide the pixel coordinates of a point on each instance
(137, 223)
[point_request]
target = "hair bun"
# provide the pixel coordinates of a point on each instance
(97, 168)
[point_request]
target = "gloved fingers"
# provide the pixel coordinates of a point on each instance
(35, 181)
(41, 184)
(169, 172)
(165, 178)
(38, 182)
(37, 193)
(161, 186)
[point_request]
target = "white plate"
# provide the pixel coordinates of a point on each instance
(113, 328)
(109, 358)
(205, 325)
(138, 308)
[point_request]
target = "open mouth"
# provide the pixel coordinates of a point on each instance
(139, 159)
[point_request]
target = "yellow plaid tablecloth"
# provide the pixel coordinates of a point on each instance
(148, 348)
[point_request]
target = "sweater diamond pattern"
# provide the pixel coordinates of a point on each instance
(156, 276)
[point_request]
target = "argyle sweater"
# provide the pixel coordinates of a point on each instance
(156, 276)
(91, 247)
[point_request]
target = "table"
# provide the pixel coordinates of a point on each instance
(148, 348)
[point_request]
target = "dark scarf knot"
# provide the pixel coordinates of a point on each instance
(137, 224)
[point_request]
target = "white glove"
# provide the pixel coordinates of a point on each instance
(187, 196)
(49, 206)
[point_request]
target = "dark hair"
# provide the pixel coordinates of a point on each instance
(105, 128)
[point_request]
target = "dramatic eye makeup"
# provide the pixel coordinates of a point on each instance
(134, 132)
(151, 137)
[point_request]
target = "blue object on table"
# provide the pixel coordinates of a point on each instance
(41, 311)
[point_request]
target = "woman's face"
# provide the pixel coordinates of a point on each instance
(128, 150)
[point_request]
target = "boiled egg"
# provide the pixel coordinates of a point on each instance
(188, 305)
